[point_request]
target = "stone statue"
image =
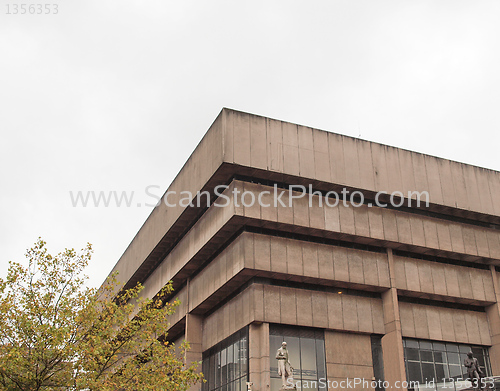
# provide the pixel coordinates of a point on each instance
(285, 369)
(474, 372)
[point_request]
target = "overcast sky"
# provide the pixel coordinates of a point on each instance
(115, 95)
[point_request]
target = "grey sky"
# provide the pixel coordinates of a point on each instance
(116, 95)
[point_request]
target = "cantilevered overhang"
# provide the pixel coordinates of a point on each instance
(294, 266)
(245, 145)
(375, 227)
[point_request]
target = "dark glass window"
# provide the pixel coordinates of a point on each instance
(225, 366)
(443, 363)
(306, 350)
(378, 361)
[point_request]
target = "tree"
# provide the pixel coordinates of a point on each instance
(58, 334)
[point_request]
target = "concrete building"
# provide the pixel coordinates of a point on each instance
(368, 292)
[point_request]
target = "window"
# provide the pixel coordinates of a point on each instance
(306, 349)
(378, 361)
(225, 366)
(441, 362)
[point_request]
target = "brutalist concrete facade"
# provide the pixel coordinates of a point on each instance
(430, 273)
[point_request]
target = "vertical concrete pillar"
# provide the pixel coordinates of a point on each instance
(392, 341)
(193, 335)
(259, 364)
(493, 313)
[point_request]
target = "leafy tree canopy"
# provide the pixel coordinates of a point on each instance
(58, 334)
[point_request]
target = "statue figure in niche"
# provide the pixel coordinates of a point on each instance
(474, 372)
(285, 369)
